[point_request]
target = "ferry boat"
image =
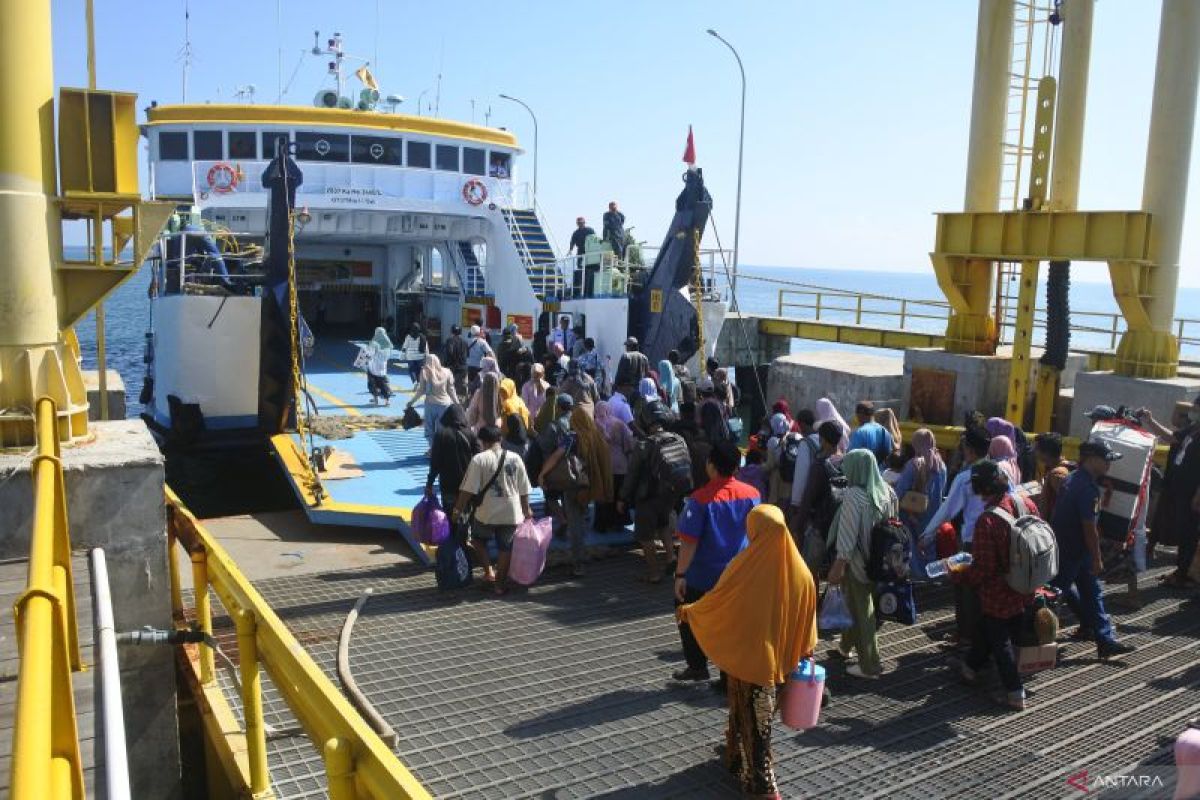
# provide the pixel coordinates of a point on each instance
(394, 219)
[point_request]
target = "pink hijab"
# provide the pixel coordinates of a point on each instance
(1004, 453)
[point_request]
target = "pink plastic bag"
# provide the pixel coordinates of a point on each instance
(430, 524)
(530, 545)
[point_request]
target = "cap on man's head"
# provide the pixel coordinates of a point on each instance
(1098, 448)
(631, 343)
(654, 412)
(1101, 413)
(455, 329)
(565, 402)
(474, 330)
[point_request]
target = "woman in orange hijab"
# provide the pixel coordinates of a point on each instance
(756, 624)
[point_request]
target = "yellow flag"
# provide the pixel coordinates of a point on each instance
(364, 75)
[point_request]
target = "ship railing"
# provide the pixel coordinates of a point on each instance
(46, 758)
(716, 267)
(357, 763)
(614, 276)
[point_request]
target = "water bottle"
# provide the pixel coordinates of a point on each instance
(954, 563)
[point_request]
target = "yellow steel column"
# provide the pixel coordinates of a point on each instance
(252, 709)
(339, 769)
(973, 329)
(203, 612)
(1154, 351)
(32, 359)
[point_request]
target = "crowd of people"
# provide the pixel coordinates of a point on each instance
(761, 529)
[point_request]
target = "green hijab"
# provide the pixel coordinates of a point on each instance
(862, 471)
(381, 340)
(865, 502)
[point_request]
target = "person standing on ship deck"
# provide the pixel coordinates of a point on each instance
(614, 229)
(632, 367)
(436, 385)
(413, 350)
(578, 244)
(454, 358)
(379, 350)
(562, 336)
(477, 349)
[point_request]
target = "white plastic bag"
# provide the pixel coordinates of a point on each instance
(835, 614)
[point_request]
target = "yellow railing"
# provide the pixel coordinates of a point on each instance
(357, 763)
(866, 307)
(46, 762)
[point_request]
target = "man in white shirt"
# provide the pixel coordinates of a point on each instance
(497, 486)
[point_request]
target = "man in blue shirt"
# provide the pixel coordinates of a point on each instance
(1079, 561)
(870, 435)
(712, 530)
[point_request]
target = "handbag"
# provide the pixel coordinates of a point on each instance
(411, 418)
(896, 603)
(815, 552)
(915, 501)
(361, 360)
(568, 473)
(835, 614)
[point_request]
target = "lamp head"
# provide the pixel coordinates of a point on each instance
(505, 97)
(711, 32)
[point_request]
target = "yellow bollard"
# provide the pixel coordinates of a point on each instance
(252, 710)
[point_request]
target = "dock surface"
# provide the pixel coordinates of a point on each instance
(564, 691)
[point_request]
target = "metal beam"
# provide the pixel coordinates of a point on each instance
(1045, 236)
(845, 333)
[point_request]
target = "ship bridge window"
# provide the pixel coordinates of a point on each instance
(473, 160)
(499, 165)
(268, 142)
(322, 146)
(243, 144)
(419, 155)
(172, 146)
(376, 150)
(208, 145)
(447, 158)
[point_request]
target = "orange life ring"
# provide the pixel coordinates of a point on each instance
(222, 178)
(474, 191)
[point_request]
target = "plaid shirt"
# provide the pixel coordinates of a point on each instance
(990, 563)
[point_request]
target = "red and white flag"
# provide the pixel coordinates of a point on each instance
(689, 153)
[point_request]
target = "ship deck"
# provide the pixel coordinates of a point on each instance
(563, 691)
(392, 461)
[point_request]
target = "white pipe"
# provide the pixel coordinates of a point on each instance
(112, 711)
(1169, 150)
(989, 104)
(1073, 68)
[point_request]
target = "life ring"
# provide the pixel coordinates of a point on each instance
(222, 178)
(474, 191)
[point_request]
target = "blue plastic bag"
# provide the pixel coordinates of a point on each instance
(834, 614)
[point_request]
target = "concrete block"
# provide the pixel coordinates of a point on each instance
(982, 383)
(741, 343)
(1106, 388)
(114, 487)
(115, 391)
(844, 377)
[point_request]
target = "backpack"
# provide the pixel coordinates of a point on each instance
(671, 464)
(891, 549)
(1032, 551)
(789, 451)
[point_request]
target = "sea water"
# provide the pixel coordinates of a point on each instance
(128, 312)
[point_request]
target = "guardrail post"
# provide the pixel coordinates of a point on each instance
(173, 566)
(339, 769)
(858, 311)
(203, 612)
(252, 711)
(1112, 342)
(780, 304)
(903, 312)
(818, 309)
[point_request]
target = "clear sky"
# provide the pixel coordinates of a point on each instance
(856, 119)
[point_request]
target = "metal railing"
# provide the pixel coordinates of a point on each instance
(46, 760)
(843, 306)
(357, 763)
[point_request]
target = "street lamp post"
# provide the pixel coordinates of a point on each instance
(737, 214)
(535, 139)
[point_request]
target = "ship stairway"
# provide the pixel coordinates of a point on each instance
(474, 282)
(537, 254)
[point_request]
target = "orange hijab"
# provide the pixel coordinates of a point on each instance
(761, 617)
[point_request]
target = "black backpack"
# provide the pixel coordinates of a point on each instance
(789, 451)
(671, 464)
(891, 549)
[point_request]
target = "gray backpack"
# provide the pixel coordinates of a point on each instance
(1032, 551)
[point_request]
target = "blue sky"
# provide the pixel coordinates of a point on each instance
(857, 112)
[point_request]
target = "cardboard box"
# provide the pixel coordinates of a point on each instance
(1036, 658)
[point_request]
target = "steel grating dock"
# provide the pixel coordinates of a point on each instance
(564, 692)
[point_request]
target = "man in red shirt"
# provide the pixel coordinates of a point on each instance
(999, 627)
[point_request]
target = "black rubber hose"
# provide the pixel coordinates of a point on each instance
(1058, 315)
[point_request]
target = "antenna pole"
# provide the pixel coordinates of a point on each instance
(187, 45)
(279, 48)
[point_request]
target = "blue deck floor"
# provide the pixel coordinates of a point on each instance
(393, 462)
